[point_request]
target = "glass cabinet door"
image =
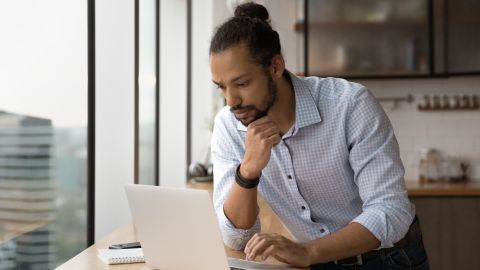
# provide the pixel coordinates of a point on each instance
(370, 38)
(463, 35)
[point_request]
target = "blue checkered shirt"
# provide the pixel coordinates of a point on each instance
(339, 163)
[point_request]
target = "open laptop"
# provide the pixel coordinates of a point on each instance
(177, 229)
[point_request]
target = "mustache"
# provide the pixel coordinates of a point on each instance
(242, 108)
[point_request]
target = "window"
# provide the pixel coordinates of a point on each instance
(43, 132)
(147, 55)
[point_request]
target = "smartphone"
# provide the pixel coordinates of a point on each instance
(125, 245)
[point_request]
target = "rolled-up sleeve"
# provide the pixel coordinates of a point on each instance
(226, 156)
(378, 171)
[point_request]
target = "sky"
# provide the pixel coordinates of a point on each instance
(43, 59)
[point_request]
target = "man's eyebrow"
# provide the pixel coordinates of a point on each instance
(234, 79)
(239, 77)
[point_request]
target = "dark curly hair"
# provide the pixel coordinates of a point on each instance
(251, 25)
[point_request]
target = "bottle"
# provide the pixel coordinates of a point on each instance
(445, 102)
(423, 166)
(466, 102)
(456, 102)
(434, 158)
(436, 102)
(475, 102)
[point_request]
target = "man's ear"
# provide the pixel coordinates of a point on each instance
(277, 67)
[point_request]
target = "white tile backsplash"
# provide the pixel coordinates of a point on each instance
(436, 128)
(476, 144)
(408, 128)
(456, 133)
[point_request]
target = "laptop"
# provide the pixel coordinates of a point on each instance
(177, 229)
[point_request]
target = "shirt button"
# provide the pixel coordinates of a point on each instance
(322, 230)
(303, 207)
(289, 176)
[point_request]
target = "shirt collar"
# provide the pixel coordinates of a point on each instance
(306, 110)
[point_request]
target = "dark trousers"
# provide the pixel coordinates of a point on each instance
(411, 257)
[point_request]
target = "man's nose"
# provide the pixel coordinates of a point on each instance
(232, 98)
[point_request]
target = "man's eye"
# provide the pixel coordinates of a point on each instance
(242, 84)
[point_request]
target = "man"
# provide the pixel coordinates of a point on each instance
(320, 151)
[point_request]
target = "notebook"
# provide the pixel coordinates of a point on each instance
(118, 256)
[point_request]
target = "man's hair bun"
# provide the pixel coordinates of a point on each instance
(250, 25)
(252, 10)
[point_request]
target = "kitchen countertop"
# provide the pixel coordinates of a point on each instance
(415, 189)
(443, 189)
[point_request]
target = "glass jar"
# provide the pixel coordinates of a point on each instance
(423, 168)
(430, 167)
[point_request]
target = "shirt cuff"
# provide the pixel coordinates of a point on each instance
(233, 237)
(377, 223)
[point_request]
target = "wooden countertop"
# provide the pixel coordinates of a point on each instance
(443, 189)
(88, 259)
(415, 189)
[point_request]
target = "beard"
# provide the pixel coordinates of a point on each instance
(267, 103)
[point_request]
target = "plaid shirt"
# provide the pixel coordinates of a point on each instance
(338, 164)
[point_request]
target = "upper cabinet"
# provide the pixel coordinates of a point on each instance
(463, 36)
(391, 38)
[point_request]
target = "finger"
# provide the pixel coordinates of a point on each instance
(269, 252)
(261, 121)
(274, 139)
(281, 259)
(261, 127)
(251, 242)
(264, 118)
(254, 243)
(259, 248)
(270, 131)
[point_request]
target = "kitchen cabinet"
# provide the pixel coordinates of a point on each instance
(449, 216)
(391, 38)
(450, 227)
(463, 36)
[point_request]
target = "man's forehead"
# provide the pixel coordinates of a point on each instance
(227, 68)
(233, 58)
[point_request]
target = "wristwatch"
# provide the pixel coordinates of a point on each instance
(246, 183)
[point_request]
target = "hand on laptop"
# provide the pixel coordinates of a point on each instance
(281, 248)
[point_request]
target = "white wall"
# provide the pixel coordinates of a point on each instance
(173, 93)
(114, 112)
(203, 91)
(283, 15)
(456, 133)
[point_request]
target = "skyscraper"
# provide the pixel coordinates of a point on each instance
(27, 193)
